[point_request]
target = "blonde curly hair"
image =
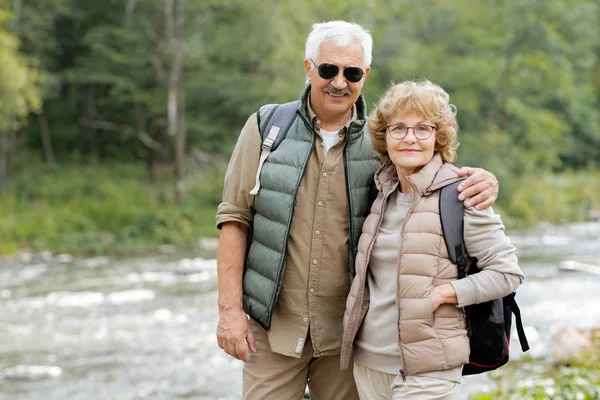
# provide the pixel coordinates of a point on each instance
(422, 97)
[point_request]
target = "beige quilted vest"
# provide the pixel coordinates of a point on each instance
(427, 341)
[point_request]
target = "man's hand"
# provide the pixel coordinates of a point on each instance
(480, 189)
(233, 332)
(234, 329)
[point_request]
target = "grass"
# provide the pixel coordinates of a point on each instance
(104, 209)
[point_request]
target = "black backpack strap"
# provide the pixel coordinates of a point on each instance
(512, 304)
(273, 129)
(452, 219)
(263, 117)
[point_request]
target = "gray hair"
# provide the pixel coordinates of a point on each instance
(342, 34)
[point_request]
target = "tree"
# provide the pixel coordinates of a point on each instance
(19, 94)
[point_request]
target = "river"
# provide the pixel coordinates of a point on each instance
(144, 328)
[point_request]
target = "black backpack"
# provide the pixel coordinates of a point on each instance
(488, 324)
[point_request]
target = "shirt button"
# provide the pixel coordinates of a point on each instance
(317, 232)
(323, 144)
(312, 290)
(324, 173)
(305, 319)
(320, 203)
(315, 262)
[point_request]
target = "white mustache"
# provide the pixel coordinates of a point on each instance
(337, 92)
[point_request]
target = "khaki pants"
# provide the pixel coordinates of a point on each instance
(272, 376)
(376, 385)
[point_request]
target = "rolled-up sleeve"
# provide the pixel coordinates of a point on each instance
(237, 203)
(486, 241)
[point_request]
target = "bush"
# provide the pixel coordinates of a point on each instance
(532, 381)
(556, 198)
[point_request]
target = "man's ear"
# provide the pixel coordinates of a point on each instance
(367, 70)
(307, 67)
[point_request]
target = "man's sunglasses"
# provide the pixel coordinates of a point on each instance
(330, 71)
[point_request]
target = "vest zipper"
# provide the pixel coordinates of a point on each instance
(403, 374)
(287, 232)
(354, 327)
(408, 214)
(351, 268)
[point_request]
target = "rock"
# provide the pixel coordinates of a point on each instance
(162, 315)
(96, 261)
(167, 249)
(31, 372)
(210, 244)
(568, 344)
(188, 266)
(45, 256)
(25, 256)
(65, 258)
(572, 265)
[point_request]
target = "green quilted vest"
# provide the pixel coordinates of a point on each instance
(280, 179)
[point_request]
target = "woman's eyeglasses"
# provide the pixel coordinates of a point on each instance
(330, 71)
(399, 131)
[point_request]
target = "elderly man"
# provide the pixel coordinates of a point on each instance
(287, 247)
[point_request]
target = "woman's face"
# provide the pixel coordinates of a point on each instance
(409, 154)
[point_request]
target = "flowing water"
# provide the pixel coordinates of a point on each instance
(144, 328)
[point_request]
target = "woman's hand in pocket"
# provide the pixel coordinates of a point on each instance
(443, 294)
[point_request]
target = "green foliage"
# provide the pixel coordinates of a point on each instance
(523, 74)
(93, 210)
(550, 197)
(532, 381)
(19, 94)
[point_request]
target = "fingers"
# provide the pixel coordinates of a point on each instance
(241, 351)
(483, 200)
(481, 189)
(474, 184)
(236, 348)
(466, 171)
(232, 333)
(250, 338)
(230, 349)
(224, 340)
(435, 302)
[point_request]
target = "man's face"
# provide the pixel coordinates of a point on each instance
(332, 99)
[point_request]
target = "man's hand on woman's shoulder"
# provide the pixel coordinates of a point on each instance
(480, 189)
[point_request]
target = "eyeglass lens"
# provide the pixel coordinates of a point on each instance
(421, 132)
(330, 71)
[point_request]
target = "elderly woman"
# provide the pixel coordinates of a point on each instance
(404, 324)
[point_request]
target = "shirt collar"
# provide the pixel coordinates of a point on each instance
(316, 122)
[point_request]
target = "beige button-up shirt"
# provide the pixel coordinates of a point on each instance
(315, 282)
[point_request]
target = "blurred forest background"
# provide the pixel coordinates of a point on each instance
(117, 117)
